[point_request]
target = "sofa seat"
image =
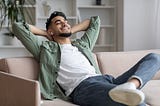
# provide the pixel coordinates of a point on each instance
(56, 102)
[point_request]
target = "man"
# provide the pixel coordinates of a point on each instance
(68, 69)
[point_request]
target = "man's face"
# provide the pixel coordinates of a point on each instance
(59, 26)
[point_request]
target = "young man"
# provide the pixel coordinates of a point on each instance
(68, 69)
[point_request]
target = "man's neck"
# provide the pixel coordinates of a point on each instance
(63, 41)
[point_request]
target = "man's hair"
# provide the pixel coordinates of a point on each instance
(54, 14)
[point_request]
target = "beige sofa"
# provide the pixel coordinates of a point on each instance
(19, 85)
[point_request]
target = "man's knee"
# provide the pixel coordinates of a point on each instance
(154, 56)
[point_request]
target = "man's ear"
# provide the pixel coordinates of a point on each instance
(50, 35)
(50, 32)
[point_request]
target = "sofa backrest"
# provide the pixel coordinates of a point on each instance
(26, 67)
(116, 63)
(113, 63)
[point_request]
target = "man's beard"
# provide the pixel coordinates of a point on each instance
(65, 34)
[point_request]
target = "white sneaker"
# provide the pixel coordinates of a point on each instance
(127, 94)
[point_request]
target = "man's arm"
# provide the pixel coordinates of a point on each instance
(83, 26)
(40, 32)
(37, 31)
(28, 39)
(92, 32)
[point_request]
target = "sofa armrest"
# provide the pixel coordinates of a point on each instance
(17, 91)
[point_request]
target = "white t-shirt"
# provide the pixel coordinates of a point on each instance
(74, 68)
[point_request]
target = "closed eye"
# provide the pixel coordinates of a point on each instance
(60, 21)
(57, 22)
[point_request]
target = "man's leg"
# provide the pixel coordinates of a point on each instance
(136, 77)
(144, 70)
(94, 92)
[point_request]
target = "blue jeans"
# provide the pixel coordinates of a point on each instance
(93, 91)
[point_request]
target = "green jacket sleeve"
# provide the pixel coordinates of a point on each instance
(28, 39)
(91, 35)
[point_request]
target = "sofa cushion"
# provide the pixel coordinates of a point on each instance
(26, 67)
(56, 102)
(152, 92)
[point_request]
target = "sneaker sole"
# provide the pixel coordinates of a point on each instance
(127, 97)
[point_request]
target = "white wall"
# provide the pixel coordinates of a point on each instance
(138, 25)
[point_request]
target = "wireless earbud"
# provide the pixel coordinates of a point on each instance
(51, 33)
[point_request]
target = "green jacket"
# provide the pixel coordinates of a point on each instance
(48, 54)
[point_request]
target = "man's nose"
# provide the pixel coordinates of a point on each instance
(64, 23)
